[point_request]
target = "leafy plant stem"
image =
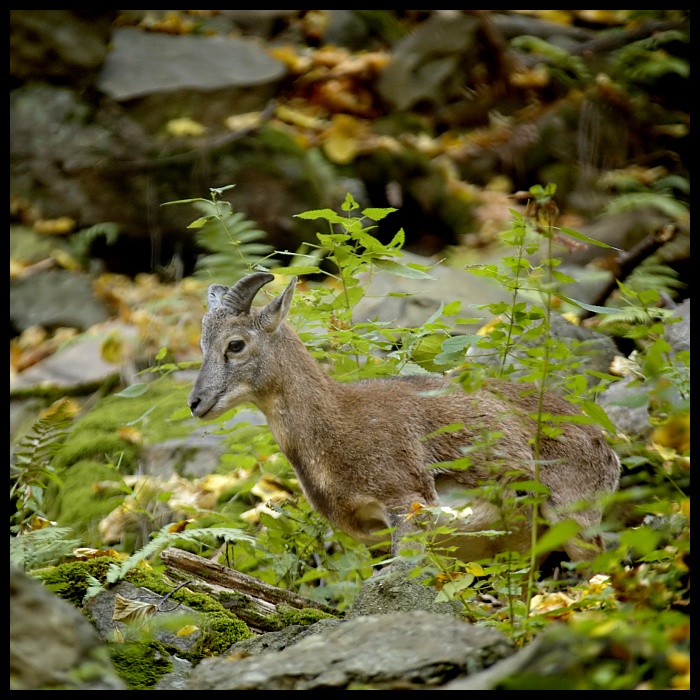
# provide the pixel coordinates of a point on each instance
(549, 214)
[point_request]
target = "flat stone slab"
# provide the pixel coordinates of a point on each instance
(142, 63)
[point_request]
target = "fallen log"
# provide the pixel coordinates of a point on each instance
(257, 603)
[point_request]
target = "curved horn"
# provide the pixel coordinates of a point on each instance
(239, 298)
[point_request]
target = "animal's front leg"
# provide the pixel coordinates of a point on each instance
(403, 526)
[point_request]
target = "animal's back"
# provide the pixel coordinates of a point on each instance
(404, 427)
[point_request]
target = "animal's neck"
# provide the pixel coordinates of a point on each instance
(301, 405)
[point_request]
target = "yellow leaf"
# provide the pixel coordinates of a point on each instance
(131, 435)
(180, 525)
(288, 55)
(55, 227)
(489, 326)
(679, 661)
(299, 118)
(608, 17)
(187, 630)
(112, 349)
(340, 143)
(37, 523)
(605, 628)
(243, 121)
(674, 434)
(537, 77)
(68, 407)
(92, 553)
(16, 268)
(598, 582)
(184, 126)
(126, 610)
(269, 489)
(65, 260)
(550, 602)
(474, 568)
(681, 682)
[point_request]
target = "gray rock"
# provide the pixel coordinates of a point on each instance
(626, 401)
(590, 351)
(78, 363)
(54, 298)
(399, 650)
(426, 64)
(277, 641)
(102, 608)
(66, 44)
(390, 590)
(424, 296)
(53, 646)
(678, 333)
(559, 658)
(142, 63)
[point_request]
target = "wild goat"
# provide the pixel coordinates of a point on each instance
(363, 451)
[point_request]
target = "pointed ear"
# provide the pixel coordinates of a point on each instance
(276, 311)
(215, 294)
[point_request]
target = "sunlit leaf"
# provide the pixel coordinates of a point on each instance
(126, 610)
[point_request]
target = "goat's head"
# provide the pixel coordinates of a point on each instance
(237, 343)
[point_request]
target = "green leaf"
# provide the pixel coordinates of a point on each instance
(585, 239)
(451, 589)
(327, 214)
(458, 343)
(642, 540)
(349, 204)
(556, 536)
(452, 309)
(411, 270)
(589, 307)
(186, 201)
(398, 240)
(378, 214)
(593, 410)
(296, 270)
(202, 221)
(562, 277)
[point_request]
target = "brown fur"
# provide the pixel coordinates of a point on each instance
(362, 451)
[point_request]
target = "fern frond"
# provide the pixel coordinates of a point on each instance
(31, 469)
(234, 243)
(41, 547)
(664, 203)
(167, 538)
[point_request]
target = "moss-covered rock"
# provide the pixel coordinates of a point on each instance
(141, 662)
(104, 446)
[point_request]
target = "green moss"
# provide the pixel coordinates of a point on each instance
(97, 449)
(70, 581)
(219, 627)
(97, 436)
(78, 505)
(140, 664)
(219, 632)
(295, 616)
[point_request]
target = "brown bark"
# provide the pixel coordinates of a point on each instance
(252, 600)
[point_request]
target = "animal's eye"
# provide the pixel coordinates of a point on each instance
(236, 345)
